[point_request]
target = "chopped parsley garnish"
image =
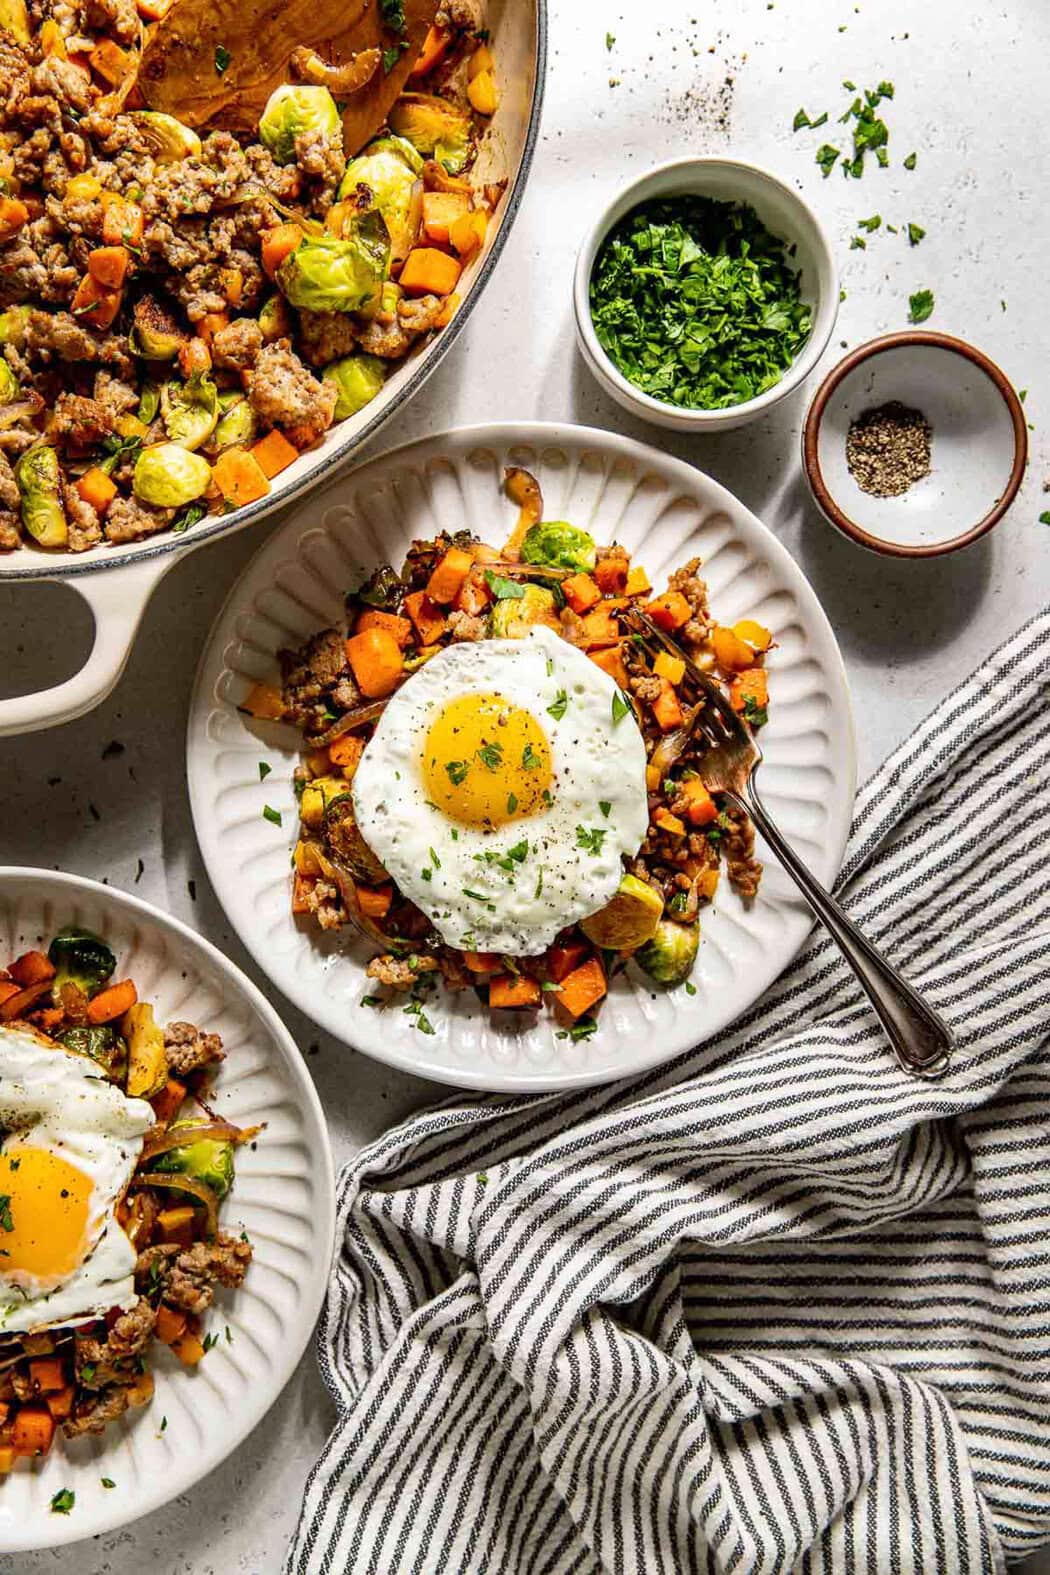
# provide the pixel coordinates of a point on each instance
(870, 224)
(88, 1371)
(393, 14)
(434, 859)
(827, 157)
(422, 1021)
(558, 706)
(757, 715)
(391, 57)
(503, 589)
(857, 244)
(581, 1030)
(272, 815)
(590, 839)
(209, 1341)
(530, 759)
(550, 667)
(6, 1222)
(264, 770)
(802, 121)
(539, 882)
(222, 58)
(108, 1482)
(491, 755)
(457, 770)
(690, 987)
(696, 303)
(911, 161)
(920, 306)
(512, 803)
(476, 896)
(916, 233)
(426, 873)
(190, 515)
(605, 806)
(63, 1501)
(372, 1000)
(163, 1424)
(620, 706)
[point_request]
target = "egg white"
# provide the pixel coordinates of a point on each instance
(51, 1098)
(598, 785)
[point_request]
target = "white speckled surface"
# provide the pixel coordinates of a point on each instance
(970, 86)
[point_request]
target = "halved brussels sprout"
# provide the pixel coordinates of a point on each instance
(39, 481)
(190, 410)
(275, 319)
(628, 920)
(169, 476)
(236, 426)
(325, 274)
(168, 140)
(9, 388)
(82, 958)
(147, 1055)
(514, 616)
(559, 545)
(669, 956)
(13, 326)
(209, 1159)
(390, 169)
(156, 335)
(383, 588)
(290, 111)
(358, 379)
(435, 128)
(102, 1043)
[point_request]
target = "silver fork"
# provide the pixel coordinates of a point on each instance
(921, 1040)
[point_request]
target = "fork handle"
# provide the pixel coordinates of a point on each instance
(921, 1040)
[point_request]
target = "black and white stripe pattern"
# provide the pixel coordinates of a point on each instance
(775, 1306)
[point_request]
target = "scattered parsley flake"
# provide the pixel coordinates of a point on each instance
(871, 224)
(690, 987)
(539, 882)
(491, 755)
(63, 1501)
(920, 306)
(858, 244)
(392, 55)
(272, 815)
(209, 1342)
(434, 859)
(558, 706)
(802, 121)
(590, 839)
(605, 806)
(6, 1222)
(503, 589)
(530, 759)
(512, 803)
(222, 58)
(915, 234)
(911, 161)
(393, 14)
(620, 706)
(827, 157)
(372, 1000)
(610, 39)
(264, 770)
(108, 1482)
(457, 770)
(1044, 518)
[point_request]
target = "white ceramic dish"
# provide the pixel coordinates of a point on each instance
(978, 454)
(665, 512)
(783, 212)
(117, 583)
(283, 1197)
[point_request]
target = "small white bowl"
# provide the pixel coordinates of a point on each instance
(978, 453)
(784, 214)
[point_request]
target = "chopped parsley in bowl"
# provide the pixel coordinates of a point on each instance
(706, 293)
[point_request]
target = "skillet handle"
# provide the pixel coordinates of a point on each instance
(117, 598)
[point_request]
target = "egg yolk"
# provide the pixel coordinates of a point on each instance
(43, 1214)
(486, 762)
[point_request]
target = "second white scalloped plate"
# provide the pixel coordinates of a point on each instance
(664, 512)
(284, 1198)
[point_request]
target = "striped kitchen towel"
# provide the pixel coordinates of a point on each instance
(777, 1306)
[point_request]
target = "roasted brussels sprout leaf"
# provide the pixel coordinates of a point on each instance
(558, 545)
(236, 425)
(326, 274)
(512, 617)
(156, 334)
(669, 956)
(358, 379)
(190, 411)
(147, 1057)
(292, 112)
(39, 482)
(435, 128)
(383, 588)
(9, 389)
(82, 958)
(103, 1044)
(169, 140)
(169, 476)
(209, 1160)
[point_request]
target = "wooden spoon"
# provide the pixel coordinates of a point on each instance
(214, 63)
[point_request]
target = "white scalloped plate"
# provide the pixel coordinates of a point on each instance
(283, 1198)
(664, 512)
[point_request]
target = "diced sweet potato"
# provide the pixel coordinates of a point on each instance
(610, 660)
(582, 988)
(581, 592)
(376, 661)
(445, 582)
(426, 615)
(514, 991)
(375, 618)
(669, 611)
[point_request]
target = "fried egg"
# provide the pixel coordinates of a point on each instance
(501, 789)
(71, 1141)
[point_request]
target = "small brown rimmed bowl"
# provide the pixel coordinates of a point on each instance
(979, 444)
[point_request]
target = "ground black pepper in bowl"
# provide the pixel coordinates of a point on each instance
(888, 449)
